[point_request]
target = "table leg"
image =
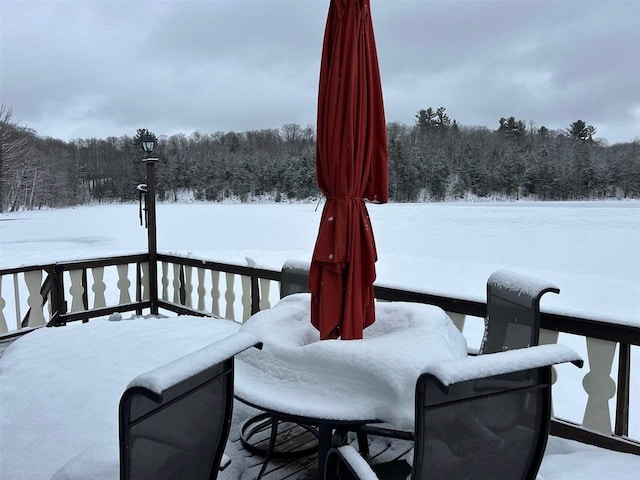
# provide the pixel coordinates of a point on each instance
(324, 445)
(272, 445)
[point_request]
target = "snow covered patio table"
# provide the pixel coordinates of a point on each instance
(343, 382)
(374, 377)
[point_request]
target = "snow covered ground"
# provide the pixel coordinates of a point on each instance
(591, 250)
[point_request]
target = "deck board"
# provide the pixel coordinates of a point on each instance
(292, 436)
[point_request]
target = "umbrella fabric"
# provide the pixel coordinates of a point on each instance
(351, 165)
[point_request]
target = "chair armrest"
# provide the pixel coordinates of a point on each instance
(489, 364)
(166, 376)
(349, 457)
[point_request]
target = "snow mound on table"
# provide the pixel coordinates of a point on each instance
(372, 378)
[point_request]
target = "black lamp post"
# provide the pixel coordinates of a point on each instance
(148, 143)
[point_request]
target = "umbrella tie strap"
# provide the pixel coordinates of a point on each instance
(344, 197)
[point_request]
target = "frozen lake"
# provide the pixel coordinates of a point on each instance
(591, 250)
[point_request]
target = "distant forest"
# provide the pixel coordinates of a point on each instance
(435, 159)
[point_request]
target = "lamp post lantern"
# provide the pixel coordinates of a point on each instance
(148, 144)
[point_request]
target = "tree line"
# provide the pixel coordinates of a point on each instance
(435, 159)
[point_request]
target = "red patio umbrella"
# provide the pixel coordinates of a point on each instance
(351, 166)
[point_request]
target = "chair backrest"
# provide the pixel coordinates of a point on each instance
(513, 311)
(179, 430)
(460, 433)
(294, 278)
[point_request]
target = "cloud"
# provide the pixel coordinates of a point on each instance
(96, 69)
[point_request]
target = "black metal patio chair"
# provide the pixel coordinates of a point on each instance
(174, 421)
(459, 432)
(513, 311)
(512, 322)
(294, 278)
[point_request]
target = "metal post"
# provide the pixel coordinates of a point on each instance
(151, 233)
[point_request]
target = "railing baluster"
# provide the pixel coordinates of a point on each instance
(188, 286)
(16, 299)
(201, 290)
(3, 321)
(229, 296)
(165, 281)
(215, 293)
(123, 284)
(265, 287)
(599, 385)
(76, 291)
(98, 287)
(33, 279)
(458, 320)
(246, 297)
(144, 281)
(176, 283)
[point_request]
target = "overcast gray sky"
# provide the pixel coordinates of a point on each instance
(80, 69)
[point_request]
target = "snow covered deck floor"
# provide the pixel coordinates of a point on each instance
(291, 437)
(564, 459)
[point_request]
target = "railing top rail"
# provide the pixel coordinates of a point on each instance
(28, 268)
(245, 270)
(78, 264)
(101, 262)
(589, 327)
(450, 304)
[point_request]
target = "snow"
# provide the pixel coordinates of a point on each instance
(521, 284)
(590, 250)
(99, 462)
(359, 465)
(74, 427)
(163, 377)
(61, 387)
(471, 368)
(295, 372)
(569, 460)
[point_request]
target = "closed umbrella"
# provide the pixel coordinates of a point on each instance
(351, 166)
